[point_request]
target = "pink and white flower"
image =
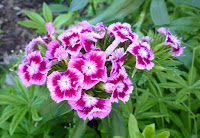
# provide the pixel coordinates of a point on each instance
(90, 107)
(122, 33)
(56, 52)
(92, 67)
(33, 69)
(75, 42)
(173, 41)
(117, 58)
(147, 39)
(33, 45)
(51, 30)
(65, 85)
(120, 86)
(143, 53)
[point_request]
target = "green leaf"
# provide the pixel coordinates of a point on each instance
(174, 77)
(132, 126)
(185, 24)
(151, 115)
(182, 95)
(7, 115)
(58, 8)
(163, 109)
(170, 85)
(77, 5)
(80, 127)
(118, 127)
(118, 9)
(149, 104)
(194, 3)
(159, 12)
(175, 118)
(35, 17)
(149, 131)
(62, 19)
(17, 119)
(11, 99)
(165, 134)
(47, 13)
(35, 115)
(29, 23)
(192, 75)
(196, 85)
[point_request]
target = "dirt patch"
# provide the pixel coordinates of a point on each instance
(15, 36)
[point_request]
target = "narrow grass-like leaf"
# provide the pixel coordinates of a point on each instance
(7, 115)
(35, 17)
(35, 115)
(175, 118)
(80, 127)
(182, 95)
(78, 4)
(29, 23)
(159, 12)
(170, 85)
(17, 119)
(47, 13)
(132, 126)
(62, 18)
(11, 99)
(192, 75)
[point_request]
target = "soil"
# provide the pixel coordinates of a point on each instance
(15, 36)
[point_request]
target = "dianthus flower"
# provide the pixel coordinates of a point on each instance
(89, 107)
(172, 40)
(143, 53)
(56, 52)
(33, 45)
(122, 33)
(120, 86)
(33, 69)
(65, 85)
(92, 67)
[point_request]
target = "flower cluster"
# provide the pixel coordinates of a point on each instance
(76, 66)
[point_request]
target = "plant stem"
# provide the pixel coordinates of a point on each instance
(93, 9)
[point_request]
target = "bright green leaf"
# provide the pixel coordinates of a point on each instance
(62, 19)
(35, 115)
(7, 115)
(165, 134)
(11, 99)
(29, 23)
(47, 13)
(35, 17)
(17, 118)
(132, 126)
(192, 75)
(148, 132)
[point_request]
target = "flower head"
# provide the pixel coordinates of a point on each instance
(90, 107)
(65, 85)
(120, 86)
(33, 45)
(143, 53)
(33, 69)
(92, 67)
